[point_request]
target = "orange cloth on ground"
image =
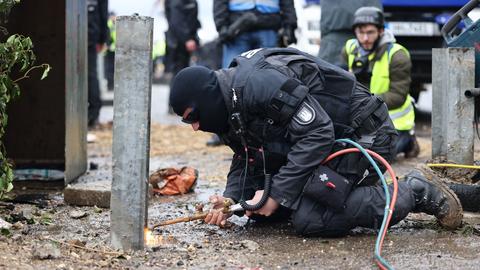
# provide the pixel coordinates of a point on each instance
(172, 181)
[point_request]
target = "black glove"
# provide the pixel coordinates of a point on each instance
(287, 36)
(224, 35)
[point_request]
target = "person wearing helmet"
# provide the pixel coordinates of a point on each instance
(384, 65)
(336, 21)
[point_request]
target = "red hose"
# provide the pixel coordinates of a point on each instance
(395, 187)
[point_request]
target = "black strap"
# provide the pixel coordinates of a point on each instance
(289, 86)
(286, 101)
(374, 103)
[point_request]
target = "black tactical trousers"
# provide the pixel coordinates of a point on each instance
(364, 207)
(94, 101)
(109, 64)
(178, 58)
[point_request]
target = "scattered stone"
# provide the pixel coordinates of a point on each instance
(155, 248)
(97, 210)
(191, 248)
(74, 254)
(124, 257)
(103, 263)
(77, 214)
(250, 245)
(26, 230)
(5, 225)
(91, 138)
(93, 166)
(18, 225)
(199, 207)
(28, 212)
(46, 252)
(16, 237)
(77, 242)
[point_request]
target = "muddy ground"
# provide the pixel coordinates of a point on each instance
(52, 235)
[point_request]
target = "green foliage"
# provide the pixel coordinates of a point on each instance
(3, 231)
(46, 219)
(16, 57)
(5, 7)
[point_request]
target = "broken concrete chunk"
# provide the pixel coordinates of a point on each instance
(249, 244)
(46, 252)
(76, 242)
(28, 212)
(5, 225)
(88, 194)
(77, 214)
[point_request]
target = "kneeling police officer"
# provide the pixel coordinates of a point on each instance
(280, 111)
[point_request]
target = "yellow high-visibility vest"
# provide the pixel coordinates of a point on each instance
(113, 34)
(403, 117)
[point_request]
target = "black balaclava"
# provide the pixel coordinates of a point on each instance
(198, 87)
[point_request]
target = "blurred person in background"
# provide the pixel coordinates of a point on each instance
(385, 67)
(336, 26)
(158, 61)
(109, 57)
(181, 36)
(245, 25)
(97, 38)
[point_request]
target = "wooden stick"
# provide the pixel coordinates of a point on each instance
(197, 216)
(88, 249)
(5, 204)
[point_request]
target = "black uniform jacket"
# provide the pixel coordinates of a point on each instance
(97, 21)
(182, 21)
(295, 106)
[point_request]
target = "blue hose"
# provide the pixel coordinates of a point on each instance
(387, 199)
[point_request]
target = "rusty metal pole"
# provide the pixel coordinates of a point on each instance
(453, 72)
(131, 131)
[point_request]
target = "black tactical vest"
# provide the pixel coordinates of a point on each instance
(331, 86)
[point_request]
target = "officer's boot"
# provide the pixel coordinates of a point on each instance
(435, 198)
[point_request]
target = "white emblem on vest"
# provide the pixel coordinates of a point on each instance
(323, 177)
(305, 115)
(249, 54)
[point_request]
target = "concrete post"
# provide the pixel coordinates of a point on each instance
(131, 131)
(453, 72)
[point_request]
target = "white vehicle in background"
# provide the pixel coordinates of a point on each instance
(308, 31)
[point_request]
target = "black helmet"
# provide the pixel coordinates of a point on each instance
(368, 15)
